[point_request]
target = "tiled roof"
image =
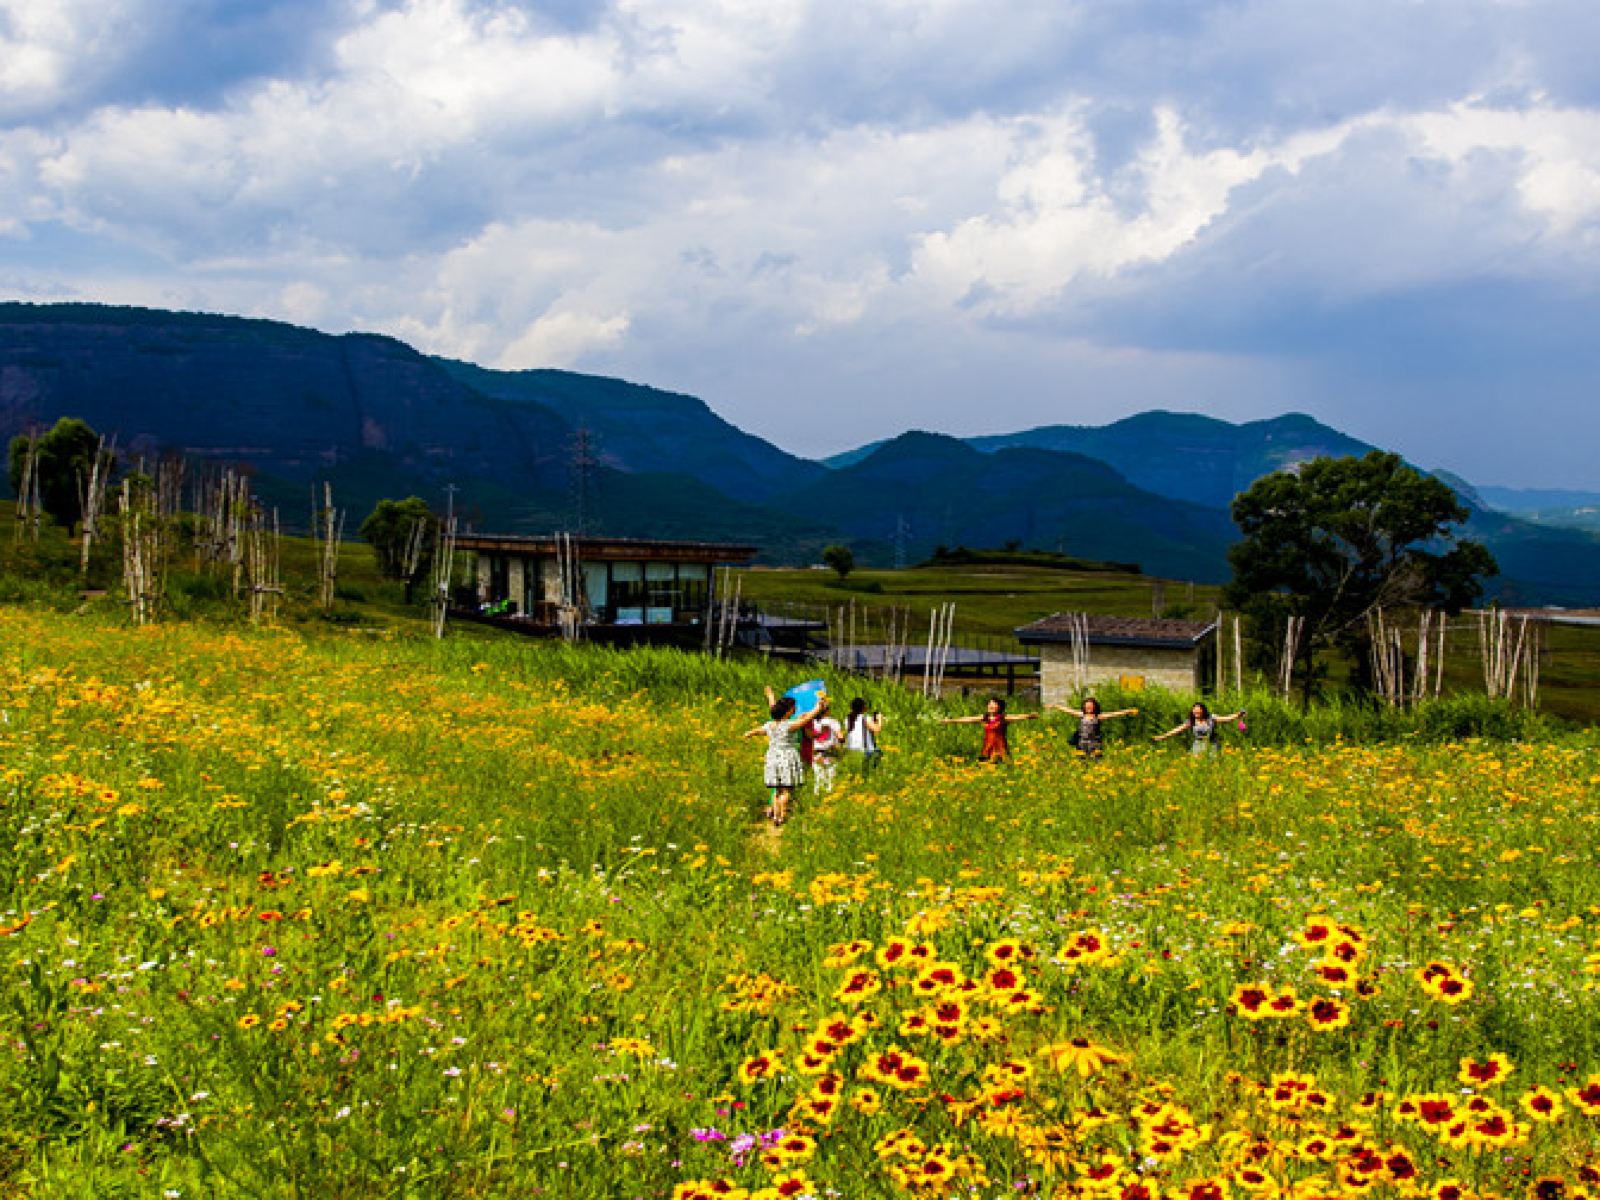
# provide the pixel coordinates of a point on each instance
(1117, 631)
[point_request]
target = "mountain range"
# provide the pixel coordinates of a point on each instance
(531, 451)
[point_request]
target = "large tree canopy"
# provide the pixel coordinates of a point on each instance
(390, 528)
(1338, 538)
(65, 464)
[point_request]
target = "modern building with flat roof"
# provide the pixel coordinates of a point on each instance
(613, 589)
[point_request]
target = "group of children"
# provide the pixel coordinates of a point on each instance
(1203, 727)
(813, 740)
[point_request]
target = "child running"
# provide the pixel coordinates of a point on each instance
(996, 746)
(1205, 730)
(784, 770)
(1089, 739)
(827, 743)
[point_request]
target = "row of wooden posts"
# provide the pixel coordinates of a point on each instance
(233, 533)
(1406, 657)
(236, 535)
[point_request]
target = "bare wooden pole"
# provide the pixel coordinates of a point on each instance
(443, 572)
(1420, 679)
(1222, 625)
(29, 510)
(327, 531)
(1438, 658)
(1239, 656)
(1531, 675)
(92, 497)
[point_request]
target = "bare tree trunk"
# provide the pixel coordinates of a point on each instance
(29, 508)
(144, 552)
(91, 499)
(327, 530)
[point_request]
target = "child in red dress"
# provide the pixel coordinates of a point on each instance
(996, 746)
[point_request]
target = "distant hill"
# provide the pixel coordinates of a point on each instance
(1530, 500)
(1207, 461)
(951, 494)
(1564, 509)
(291, 403)
(376, 418)
(1188, 456)
(1540, 564)
(643, 429)
(1544, 556)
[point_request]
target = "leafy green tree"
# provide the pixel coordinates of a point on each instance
(839, 558)
(65, 463)
(1339, 538)
(393, 529)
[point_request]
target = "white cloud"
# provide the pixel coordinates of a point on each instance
(1555, 153)
(47, 46)
(562, 338)
(692, 186)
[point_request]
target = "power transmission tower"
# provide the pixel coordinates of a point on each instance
(902, 535)
(585, 457)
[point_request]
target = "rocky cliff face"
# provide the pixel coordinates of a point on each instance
(290, 402)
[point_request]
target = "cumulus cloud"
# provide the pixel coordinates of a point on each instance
(871, 208)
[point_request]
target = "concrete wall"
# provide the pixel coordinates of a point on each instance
(549, 581)
(1177, 670)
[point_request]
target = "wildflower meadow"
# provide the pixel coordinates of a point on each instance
(351, 913)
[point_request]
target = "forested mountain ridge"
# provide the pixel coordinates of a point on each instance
(377, 418)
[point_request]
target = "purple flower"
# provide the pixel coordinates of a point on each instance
(708, 1135)
(269, 951)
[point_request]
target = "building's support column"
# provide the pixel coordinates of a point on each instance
(517, 586)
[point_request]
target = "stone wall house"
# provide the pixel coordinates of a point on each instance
(1130, 652)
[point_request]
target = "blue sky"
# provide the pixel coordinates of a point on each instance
(836, 221)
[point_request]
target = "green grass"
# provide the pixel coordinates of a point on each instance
(349, 912)
(990, 601)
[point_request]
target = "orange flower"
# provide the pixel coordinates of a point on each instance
(1586, 1099)
(760, 1066)
(859, 987)
(1007, 952)
(1326, 1014)
(1250, 1001)
(1491, 1072)
(1542, 1104)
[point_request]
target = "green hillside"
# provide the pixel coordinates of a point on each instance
(646, 430)
(1188, 456)
(294, 408)
(949, 494)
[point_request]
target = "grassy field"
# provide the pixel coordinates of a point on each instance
(990, 601)
(348, 913)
